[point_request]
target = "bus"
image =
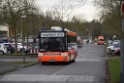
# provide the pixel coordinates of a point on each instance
(57, 46)
(100, 40)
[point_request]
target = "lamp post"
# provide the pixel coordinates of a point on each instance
(23, 17)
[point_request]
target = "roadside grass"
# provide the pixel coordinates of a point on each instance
(114, 69)
(24, 64)
(19, 54)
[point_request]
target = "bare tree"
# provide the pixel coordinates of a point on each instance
(111, 15)
(64, 9)
(14, 9)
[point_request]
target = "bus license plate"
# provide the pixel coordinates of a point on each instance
(52, 61)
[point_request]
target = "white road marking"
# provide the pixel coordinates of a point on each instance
(89, 60)
(24, 77)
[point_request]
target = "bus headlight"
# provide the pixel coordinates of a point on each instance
(64, 54)
(40, 54)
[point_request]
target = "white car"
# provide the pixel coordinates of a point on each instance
(116, 41)
(20, 47)
(114, 49)
(3, 49)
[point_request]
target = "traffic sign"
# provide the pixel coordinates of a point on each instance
(122, 8)
(123, 24)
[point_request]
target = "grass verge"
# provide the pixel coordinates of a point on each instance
(24, 64)
(114, 69)
(21, 62)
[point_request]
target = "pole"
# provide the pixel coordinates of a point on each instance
(122, 51)
(23, 44)
(91, 31)
(23, 38)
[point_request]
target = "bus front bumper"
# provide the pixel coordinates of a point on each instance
(53, 59)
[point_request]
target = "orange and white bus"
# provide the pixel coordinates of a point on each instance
(57, 46)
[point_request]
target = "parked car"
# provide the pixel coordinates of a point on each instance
(3, 49)
(79, 45)
(116, 41)
(114, 49)
(109, 41)
(10, 49)
(20, 47)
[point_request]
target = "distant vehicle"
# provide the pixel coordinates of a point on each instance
(5, 40)
(57, 46)
(116, 41)
(114, 49)
(3, 49)
(10, 49)
(109, 41)
(79, 42)
(100, 40)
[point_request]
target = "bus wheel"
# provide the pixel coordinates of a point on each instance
(43, 63)
(73, 60)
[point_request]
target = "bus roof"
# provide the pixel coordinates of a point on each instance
(100, 37)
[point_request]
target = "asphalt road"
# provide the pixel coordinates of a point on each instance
(88, 68)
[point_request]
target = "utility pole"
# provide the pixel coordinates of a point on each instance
(91, 31)
(23, 17)
(122, 42)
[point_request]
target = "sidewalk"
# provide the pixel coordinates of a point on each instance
(6, 67)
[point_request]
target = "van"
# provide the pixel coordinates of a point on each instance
(3, 49)
(100, 40)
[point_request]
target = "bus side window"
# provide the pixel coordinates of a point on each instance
(69, 46)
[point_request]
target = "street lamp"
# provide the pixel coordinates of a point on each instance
(23, 17)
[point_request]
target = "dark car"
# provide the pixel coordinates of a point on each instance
(10, 49)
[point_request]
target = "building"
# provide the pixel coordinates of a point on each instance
(4, 31)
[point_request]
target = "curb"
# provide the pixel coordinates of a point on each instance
(107, 79)
(28, 65)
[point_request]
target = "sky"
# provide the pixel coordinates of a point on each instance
(86, 11)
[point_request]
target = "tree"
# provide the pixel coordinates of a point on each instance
(111, 16)
(14, 9)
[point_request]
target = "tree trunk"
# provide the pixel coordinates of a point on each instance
(15, 37)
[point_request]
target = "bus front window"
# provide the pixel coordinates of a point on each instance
(52, 44)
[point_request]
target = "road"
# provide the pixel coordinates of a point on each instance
(88, 68)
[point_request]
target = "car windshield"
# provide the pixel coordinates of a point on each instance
(101, 40)
(52, 44)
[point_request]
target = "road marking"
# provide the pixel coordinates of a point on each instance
(63, 78)
(88, 60)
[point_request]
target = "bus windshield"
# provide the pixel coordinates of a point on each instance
(54, 44)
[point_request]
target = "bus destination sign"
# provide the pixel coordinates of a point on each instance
(56, 34)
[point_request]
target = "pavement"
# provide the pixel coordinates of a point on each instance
(6, 67)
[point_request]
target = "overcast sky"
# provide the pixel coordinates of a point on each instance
(87, 11)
